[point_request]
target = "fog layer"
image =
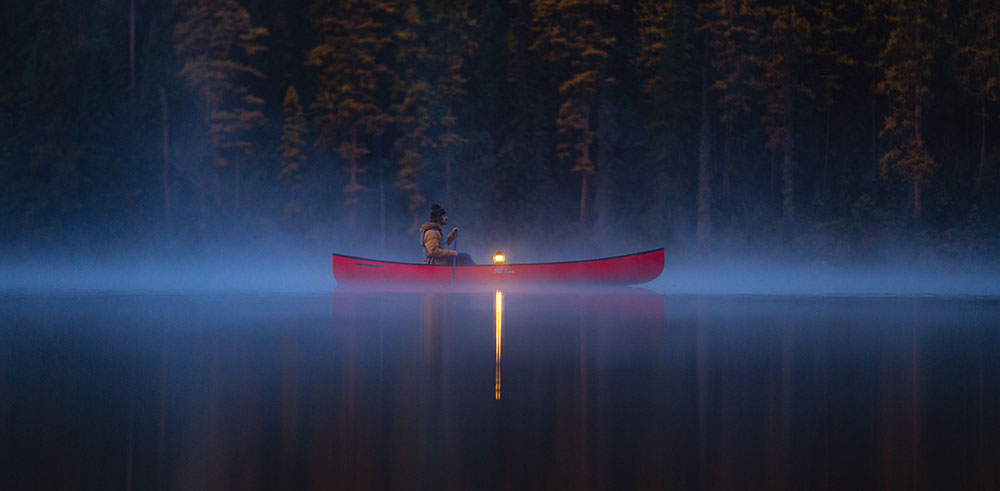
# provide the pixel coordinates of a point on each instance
(312, 273)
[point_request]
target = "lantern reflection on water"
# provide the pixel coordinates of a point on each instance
(498, 313)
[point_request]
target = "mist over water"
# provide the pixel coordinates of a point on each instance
(772, 278)
(257, 371)
(219, 273)
(310, 272)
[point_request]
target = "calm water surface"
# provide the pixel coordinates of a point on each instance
(620, 389)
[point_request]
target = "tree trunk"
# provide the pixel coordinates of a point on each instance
(826, 151)
(216, 181)
(603, 201)
(727, 168)
(447, 168)
(788, 142)
(704, 227)
(918, 127)
(788, 162)
(236, 188)
(874, 127)
(166, 159)
(352, 205)
(447, 177)
(544, 179)
(982, 139)
(216, 184)
(131, 51)
(772, 177)
(536, 141)
(381, 201)
(352, 184)
(583, 172)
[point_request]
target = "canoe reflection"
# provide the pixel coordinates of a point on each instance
(612, 390)
(631, 311)
(419, 379)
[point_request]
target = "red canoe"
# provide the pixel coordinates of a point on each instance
(630, 269)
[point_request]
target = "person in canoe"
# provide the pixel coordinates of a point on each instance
(430, 237)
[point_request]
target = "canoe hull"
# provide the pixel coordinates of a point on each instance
(631, 269)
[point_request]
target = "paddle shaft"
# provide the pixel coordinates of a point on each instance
(454, 261)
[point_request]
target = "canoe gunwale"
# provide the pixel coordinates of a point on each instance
(490, 265)
(626, 269)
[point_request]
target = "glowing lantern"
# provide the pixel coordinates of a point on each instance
(498, 257)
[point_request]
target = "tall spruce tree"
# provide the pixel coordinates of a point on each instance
(667, 66)
(652, 18)
(832, 61)
(733, 29)
(703, 227)
(784, 46)
(349, 61)
(570, 36)
(905, 61)
(526, 168)
(411, 112)
(979, 72)
(292, 149)
(451, 37)
(666, 61)
(216, 40)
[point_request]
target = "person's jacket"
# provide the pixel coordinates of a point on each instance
(430, 233)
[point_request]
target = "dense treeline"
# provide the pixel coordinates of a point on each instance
(819, 126)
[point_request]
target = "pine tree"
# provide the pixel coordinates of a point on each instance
(65, 98)
(979, 51)
(5, 118)
(666, 60)
(215, 39)
(451, 30)
(783, 47)
(293, 157)
(525, 170)
(411, 113)
(905, 62)
(831, 58)
(732, 28)
(569, 34)
(668, 65)
(348, 109)
(703, 231)
(652, 19)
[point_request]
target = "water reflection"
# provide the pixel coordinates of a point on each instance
(432, 330)
(498, 314)
(619, 389)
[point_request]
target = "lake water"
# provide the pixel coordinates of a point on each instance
(614, 389)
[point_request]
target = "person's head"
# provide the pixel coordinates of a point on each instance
(438, 214)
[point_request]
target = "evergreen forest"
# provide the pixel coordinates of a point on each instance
(834, 129)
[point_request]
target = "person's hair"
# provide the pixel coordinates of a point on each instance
(437, 212)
